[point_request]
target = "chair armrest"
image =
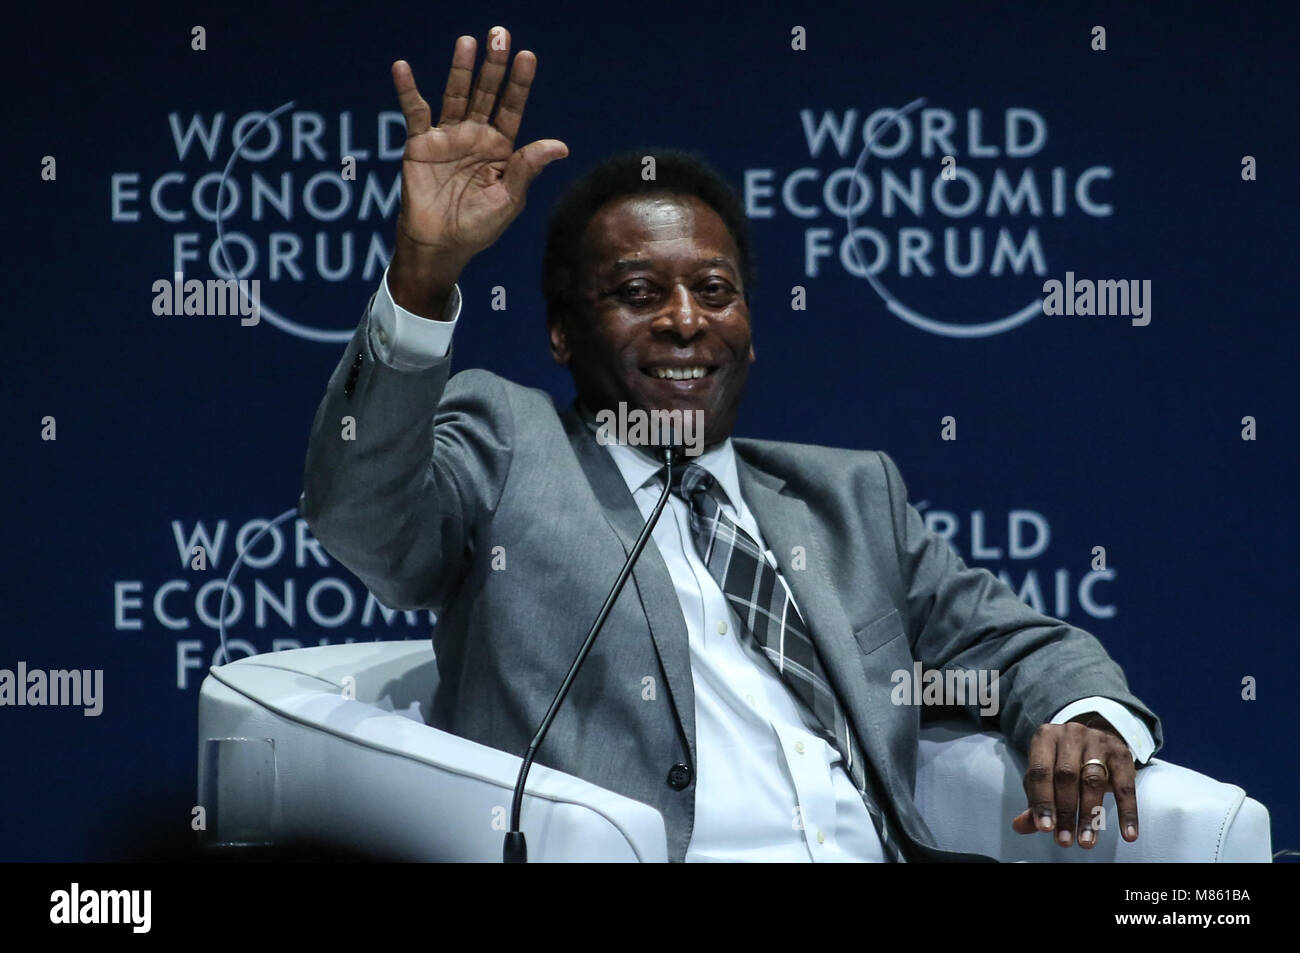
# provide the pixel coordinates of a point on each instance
(969, 785)
(353, 776)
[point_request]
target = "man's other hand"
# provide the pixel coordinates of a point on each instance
(1064, 791)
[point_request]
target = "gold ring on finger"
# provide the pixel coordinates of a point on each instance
(1099, 763)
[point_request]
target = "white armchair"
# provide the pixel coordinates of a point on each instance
(356, 766)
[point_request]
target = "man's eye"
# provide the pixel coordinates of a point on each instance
(717, 289)
(635, 291)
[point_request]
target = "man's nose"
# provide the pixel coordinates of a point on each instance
(682, 315)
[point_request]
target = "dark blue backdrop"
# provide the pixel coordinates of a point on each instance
(1114, 435)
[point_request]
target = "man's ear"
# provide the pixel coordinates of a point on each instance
(559, 341)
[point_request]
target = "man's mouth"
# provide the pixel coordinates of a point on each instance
(687, 372)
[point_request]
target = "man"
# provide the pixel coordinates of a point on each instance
(742, 683)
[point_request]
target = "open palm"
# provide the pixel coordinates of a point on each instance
(463, 181)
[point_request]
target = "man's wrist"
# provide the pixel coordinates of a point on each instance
(1093, 720)
(421, 278)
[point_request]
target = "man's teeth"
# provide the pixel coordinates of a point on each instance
(679, 373)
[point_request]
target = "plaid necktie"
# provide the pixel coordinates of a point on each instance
(769, 617)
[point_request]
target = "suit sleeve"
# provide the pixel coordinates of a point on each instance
(958, 617)
(402, 466)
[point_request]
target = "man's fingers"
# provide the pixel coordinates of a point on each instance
(1023, 823)
(1066, 794)
(484, 96)
(528, 162)
(414, 108)
(1065, 780)
(1123, 781)
(1038, 778)
(455, 96)
(1094, 781)
(511, 113)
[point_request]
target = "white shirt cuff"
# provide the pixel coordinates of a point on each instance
(1130, 727)
(406, 341)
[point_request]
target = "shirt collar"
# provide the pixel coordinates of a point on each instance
(640, 467)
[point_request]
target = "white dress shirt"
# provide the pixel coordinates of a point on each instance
(767, 788)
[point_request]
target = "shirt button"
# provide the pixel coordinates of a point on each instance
(798, 746)
(722, 628)
(821, 838)
(750, 699)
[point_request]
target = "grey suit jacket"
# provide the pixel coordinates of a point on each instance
(474, 497)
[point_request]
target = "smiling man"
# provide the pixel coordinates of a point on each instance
(742, 685)
(649, 308)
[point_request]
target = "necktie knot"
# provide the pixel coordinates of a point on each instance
(690, 480)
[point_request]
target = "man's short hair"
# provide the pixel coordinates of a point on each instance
(677, 171)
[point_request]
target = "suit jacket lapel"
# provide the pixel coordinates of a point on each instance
(654, 585)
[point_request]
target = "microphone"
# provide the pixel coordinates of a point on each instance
(515, 850)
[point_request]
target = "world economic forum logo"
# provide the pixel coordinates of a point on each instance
(933, 210)
(281, 196)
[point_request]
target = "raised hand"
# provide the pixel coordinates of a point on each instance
(463, 181)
